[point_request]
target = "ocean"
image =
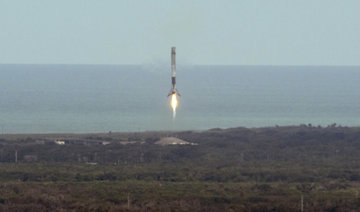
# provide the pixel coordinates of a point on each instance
(119, 98)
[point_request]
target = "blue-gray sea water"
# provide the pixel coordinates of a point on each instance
(102, 98)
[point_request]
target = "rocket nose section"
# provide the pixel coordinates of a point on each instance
(173, 50)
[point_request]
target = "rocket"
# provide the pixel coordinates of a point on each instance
(173, 74)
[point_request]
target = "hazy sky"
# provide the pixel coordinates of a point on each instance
(251, 32)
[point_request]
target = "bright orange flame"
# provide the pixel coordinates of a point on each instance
(174, 104)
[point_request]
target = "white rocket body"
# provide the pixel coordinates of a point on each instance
(173, 73)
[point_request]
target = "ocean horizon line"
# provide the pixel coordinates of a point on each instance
(192, 65)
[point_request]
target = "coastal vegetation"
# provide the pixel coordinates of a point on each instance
(291, 168)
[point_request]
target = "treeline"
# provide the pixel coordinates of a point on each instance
(292, 154)
(301, 143)
(239, 169)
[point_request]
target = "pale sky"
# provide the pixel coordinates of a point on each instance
(222, 32)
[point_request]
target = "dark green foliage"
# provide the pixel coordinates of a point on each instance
(238, 169)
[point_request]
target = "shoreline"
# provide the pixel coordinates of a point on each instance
(333, 125)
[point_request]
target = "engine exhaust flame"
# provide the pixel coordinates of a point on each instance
(174, 104)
